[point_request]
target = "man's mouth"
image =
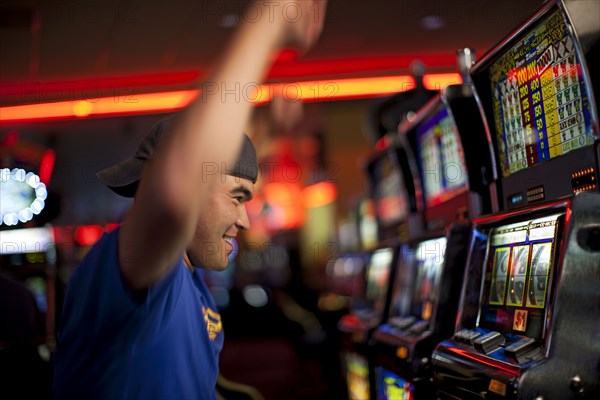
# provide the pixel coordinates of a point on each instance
(230, 241)
(231, 247)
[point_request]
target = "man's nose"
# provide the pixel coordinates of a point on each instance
(243, 222)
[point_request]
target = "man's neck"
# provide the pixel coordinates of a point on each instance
(187, 262)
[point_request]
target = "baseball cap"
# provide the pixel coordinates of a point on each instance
(123, 178)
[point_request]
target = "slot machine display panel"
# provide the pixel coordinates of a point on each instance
(346, 274)
(536, 93)
(29, 255)
(378, 272)
(392, 186)
(413, 304)
(367, 225)
(454, 156)
(517, 278)
(392, 387)
(520, 265)
(357, 376)
(388, 191)
(373, 303)
(441, 158)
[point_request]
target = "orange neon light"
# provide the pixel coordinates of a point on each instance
(319, 194)
(285, 201)
(440, 81)
(132, 104)
(335, 89)
(307, 91)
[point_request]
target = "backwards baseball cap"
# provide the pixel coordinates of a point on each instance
(123, 178)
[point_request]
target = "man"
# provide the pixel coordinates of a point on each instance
(138, 320)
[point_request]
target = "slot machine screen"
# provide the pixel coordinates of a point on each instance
(378, 273)
(367, 224)
(357, 377)
(344, 274)
(391, 387)
(401, 297)
(541, 103)
(388, 191)
(518, 277)
(26, 241)
(441, 157)
(429, 259)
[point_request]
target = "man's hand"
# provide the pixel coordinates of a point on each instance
(174, 190)
(304, 21)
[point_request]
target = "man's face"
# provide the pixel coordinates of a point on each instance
(220, 222)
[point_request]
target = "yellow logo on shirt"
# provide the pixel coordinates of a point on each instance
(213, 322)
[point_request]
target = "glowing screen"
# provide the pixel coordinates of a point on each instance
(442, 158)
(518, 276)
(430, 259)
(378, 275)
(357, 377)
(541, 102)
(391, 387)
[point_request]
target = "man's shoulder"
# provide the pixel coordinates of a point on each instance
(103, 252)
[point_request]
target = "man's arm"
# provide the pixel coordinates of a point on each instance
(175, 185)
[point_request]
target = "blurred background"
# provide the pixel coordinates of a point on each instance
(83, 81)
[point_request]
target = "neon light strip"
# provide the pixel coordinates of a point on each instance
(308, 91)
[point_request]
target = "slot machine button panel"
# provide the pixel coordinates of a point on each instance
(402, 322)
(520, 348)
(489, 342)
(467, 335)
(419, 327)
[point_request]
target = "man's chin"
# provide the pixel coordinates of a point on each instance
(216, 265)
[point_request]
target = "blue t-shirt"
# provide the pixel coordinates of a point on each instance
(115, 346)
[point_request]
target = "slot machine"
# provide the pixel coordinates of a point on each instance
(28, 254)
(345, 278)
(456, 168)
(393, 190)
(527, 325)
(27, 311)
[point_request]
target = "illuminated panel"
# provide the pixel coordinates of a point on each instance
(143, 103)
(517, 277)
(344, 272)
(389, 192)
(378, 274)
(430, 259)
(319, 194)
(22, 195)
(442, 158)
(541, 104)
(367, 225)
(391, 387)
(30, 240)
(357, 377)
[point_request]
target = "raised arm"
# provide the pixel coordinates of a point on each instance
(176, 184)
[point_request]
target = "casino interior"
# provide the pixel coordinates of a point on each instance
(426, 223)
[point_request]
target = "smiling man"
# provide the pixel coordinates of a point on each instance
(224, 214)
(138, 321)
(126, 333)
